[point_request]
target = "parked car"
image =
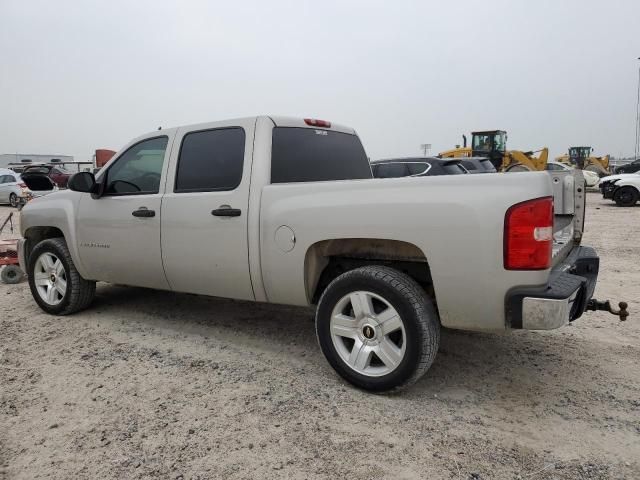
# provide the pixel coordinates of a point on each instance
(624, 189)
(591, 178)
(14, 190)
(478, 165)
(415, 167)
(56, 173)
(284, 210)
(631, 167)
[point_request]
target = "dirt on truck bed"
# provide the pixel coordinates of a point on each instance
(155, 384)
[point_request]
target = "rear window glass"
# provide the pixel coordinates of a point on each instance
(211, 160)
(314, 155)
(37, 170)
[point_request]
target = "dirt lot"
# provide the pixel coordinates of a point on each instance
(154, 384)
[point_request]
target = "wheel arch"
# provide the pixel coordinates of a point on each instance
(327, 259)
(35, 235)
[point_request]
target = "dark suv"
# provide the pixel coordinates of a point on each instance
(632, 167)
(416, 167)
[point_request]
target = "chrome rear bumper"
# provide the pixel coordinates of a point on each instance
(562, 300)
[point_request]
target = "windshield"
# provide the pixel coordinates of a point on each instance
(489, 141)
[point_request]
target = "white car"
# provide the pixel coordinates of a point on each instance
(285, 210)
(16, 190)
(590, 178)
(623, 188)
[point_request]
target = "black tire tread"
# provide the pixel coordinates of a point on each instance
(421, 304)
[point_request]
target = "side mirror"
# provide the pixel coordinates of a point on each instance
(82, 182)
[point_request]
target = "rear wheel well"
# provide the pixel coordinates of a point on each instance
(35, 235)
(329, 259)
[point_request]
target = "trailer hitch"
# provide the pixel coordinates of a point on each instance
(623, 313)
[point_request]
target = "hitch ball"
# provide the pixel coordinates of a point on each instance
(622, 312)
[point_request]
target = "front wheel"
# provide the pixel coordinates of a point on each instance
(13, 200)
(55, 284)
(377, 328)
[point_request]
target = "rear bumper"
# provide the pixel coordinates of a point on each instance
(562, 300)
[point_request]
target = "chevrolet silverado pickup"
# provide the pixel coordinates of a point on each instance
(284, 210)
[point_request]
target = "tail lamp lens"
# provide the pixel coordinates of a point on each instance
(528, 235)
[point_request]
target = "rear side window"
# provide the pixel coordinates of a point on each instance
(469, 165)
(453, 168)
(391, 170)
(488, 166)
(310, 155)
(418, 168)
(211, 160)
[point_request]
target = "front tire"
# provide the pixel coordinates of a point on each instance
(626, 196)
(377, 328)
(55, 283)
(13, 200)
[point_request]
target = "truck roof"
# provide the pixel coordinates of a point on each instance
(278, 120)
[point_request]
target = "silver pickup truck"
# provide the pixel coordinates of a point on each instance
(285, 210)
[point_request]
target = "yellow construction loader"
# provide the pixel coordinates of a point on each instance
(492, 144)
(580, 157)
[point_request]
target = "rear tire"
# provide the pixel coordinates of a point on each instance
(11, 274)
(13, 200)
(626, 196)
(55, 283)
(377, 328)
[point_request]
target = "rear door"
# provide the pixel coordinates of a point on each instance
(204, 210)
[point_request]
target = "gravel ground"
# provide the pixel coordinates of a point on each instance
(154, 384)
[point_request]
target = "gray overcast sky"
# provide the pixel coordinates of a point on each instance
(81, 75)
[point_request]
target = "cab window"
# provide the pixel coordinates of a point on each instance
(138, 170)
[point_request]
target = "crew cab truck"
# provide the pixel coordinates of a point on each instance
(285, 210)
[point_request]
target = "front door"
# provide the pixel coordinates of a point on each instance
(119, 233)
(204, 210)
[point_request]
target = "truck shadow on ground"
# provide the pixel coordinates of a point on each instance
(469, 366)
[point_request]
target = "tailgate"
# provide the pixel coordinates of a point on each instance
(569, 197)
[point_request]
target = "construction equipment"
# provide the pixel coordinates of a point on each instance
(492, 144)
(580, 157)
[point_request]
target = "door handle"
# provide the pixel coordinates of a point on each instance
(144, 212)
(226, 211)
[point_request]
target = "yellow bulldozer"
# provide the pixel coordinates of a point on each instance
(492, 144)
(580, 157)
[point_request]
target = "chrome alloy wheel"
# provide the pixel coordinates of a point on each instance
(50, 278)
(368, 333)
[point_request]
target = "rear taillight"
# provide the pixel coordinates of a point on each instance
(317, 123)
(528, 235)
(23, 186)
